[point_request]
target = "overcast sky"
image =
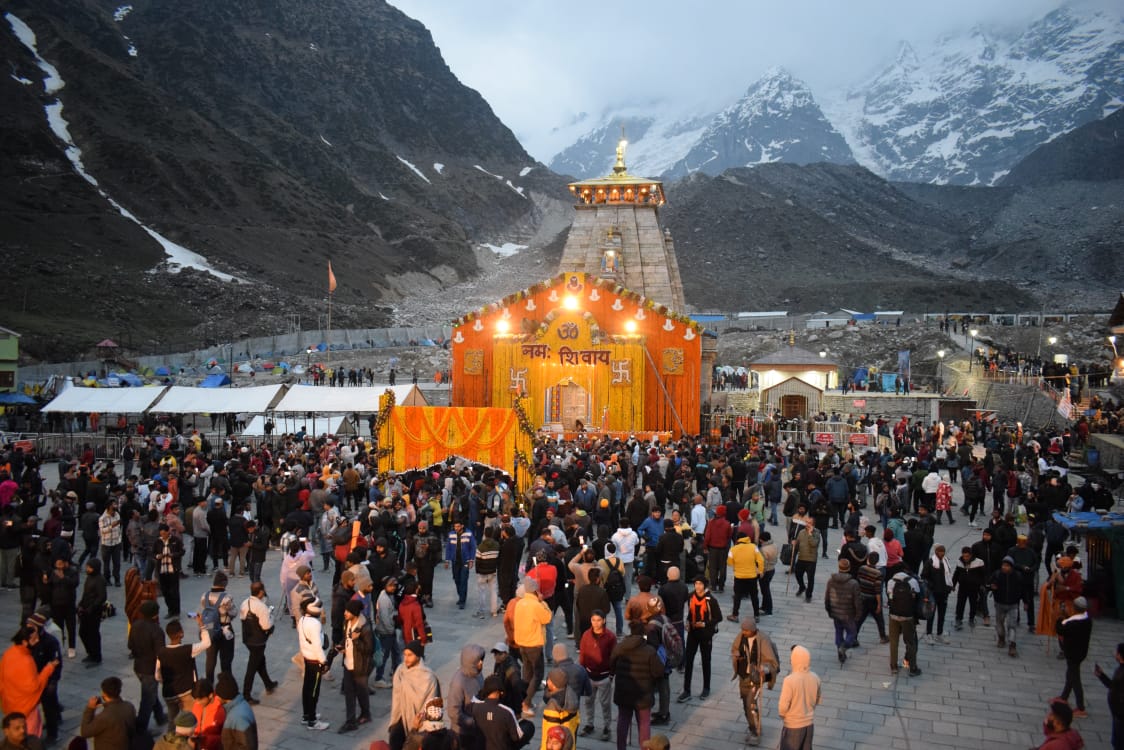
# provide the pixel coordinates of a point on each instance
(540, 62)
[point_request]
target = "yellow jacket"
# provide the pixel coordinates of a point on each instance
(531, 618)
(746, 559)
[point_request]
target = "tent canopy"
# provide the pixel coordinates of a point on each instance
(185, 400)
(10, 399)
(77, 399)
(318, 399)
(336, 424)
(217, 380)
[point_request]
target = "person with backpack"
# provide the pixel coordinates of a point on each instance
(615, 574)
(904, 593)
(257, 627)
(217, 610)
(756, 664)
(703, 617)
(663, 637)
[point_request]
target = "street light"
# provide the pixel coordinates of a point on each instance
(972, 354)
(940, 363)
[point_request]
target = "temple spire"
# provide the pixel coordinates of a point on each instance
(619, 168)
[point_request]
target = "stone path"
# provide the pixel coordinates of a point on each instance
(971, 695)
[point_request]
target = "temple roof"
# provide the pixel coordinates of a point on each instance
(595, 190)
(793, 355)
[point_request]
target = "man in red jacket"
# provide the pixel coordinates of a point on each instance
(594, 654)
(716, 541)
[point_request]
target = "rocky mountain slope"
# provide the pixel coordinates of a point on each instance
(1093, 152)
(776, 120)
(265, 137)
(962, 110)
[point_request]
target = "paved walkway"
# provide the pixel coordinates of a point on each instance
(971, 695)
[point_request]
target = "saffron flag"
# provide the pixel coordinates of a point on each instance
(331, 279)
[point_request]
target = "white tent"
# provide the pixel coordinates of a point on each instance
(187, 400)
(78, 399)
(325, 400)
(336, 424)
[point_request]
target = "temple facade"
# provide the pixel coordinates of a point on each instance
(604, 346)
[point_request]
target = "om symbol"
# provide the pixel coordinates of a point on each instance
(568, 331)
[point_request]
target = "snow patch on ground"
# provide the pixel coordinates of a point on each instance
(506, 250)
(525, 171)
(53, 82)
(490, 174)
(438, 167)
(179, 257)
(518, 190)
(416, 171)
(383, 197)
(120, 13)
(20, 79)
(325, 141)
(132, 49)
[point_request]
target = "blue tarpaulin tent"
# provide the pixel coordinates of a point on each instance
(10, 399)
(218, 380)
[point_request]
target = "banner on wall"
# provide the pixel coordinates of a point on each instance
(903, 365)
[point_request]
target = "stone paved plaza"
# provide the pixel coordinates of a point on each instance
(971, 695)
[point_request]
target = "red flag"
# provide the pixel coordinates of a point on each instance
(331, 279)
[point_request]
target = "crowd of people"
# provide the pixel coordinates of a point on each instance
(632, 543)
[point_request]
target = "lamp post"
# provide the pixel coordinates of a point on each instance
(972, 354)
(940, 364)
(1117, 365)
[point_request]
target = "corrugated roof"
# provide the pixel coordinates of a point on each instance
(793, 355)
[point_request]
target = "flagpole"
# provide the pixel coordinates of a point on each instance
(331, 291)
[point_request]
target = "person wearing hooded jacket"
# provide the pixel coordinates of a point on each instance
(561, 704)
(90, 608)
(466, 684)
(800, 694)
(749, 565)
(358, 649)
(636, 667)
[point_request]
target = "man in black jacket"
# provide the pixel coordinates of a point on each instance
(90, 608)
(637, 669)
(1074, 633)
(703, 616)
(146, 638)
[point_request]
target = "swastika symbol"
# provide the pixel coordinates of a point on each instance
(518, 379)
(622, 371)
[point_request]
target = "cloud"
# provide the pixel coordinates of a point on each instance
(540, 63)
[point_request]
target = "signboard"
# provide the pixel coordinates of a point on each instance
(824, 438)
(858, 438)
(859, 403)
(27, 446)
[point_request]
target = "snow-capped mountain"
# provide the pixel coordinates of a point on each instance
(962, 110)
(965, 110)
(777, 120)
(657, 139)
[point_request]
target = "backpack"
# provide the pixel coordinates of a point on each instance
(212, 620)
(672, 645)
(614, 582)
(902, 598)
